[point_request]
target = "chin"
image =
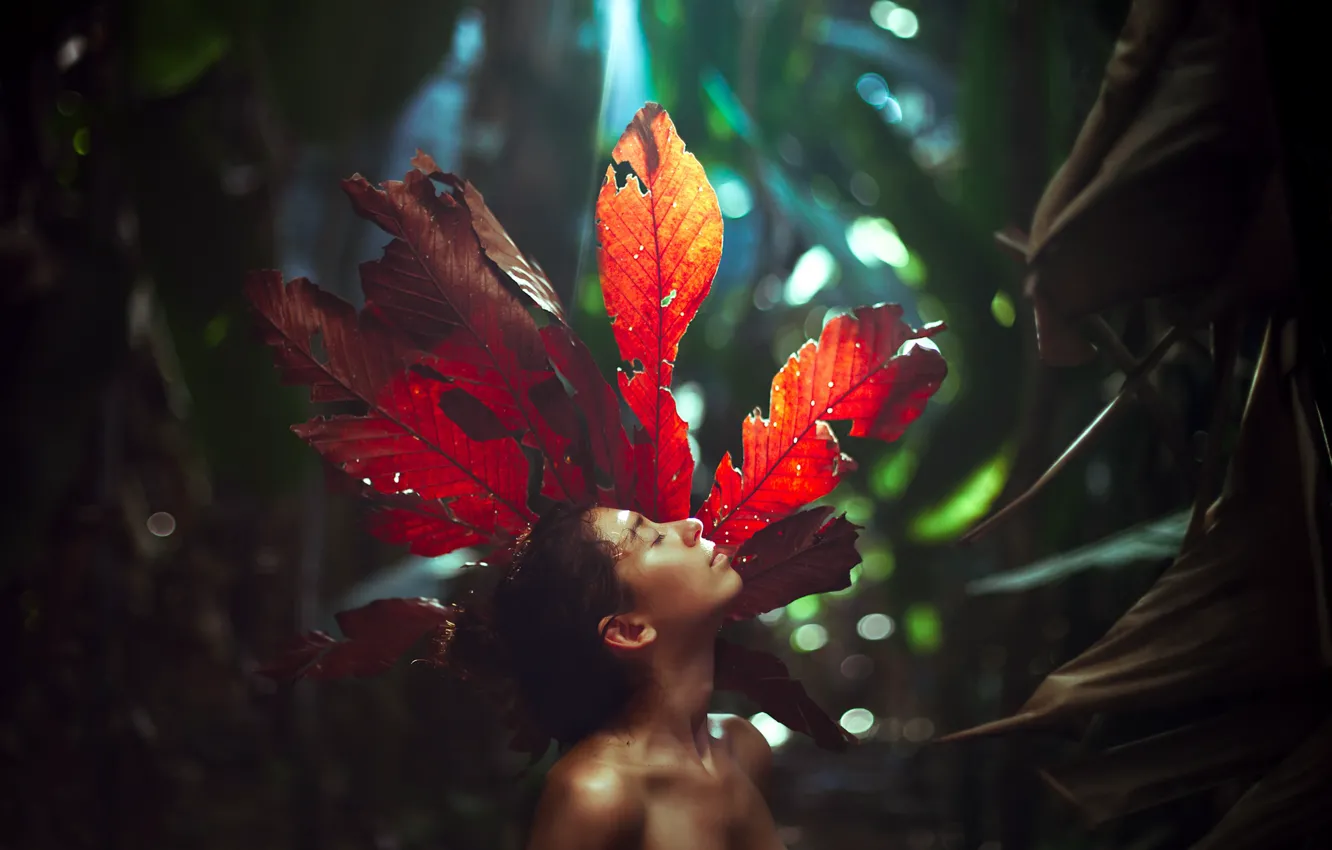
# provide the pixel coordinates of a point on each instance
(733, 582)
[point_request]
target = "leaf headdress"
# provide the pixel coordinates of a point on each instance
(455, 376)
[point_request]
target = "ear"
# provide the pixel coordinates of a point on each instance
(627, 632)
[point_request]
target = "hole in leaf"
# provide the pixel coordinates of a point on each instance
(429, 372)
(476, 420)
(623, 171)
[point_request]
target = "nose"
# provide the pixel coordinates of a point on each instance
(692, 531)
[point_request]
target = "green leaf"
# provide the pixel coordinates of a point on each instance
(1149, 541)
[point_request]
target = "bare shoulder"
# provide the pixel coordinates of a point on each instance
(587, 803)
(745, 743)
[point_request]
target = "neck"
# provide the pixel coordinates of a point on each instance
(669, 712)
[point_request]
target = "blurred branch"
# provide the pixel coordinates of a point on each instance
(1215, 301)
(1083, 440)
(1107, 341)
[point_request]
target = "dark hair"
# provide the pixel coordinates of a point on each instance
(546, 614)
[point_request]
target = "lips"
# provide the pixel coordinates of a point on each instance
(717, 554)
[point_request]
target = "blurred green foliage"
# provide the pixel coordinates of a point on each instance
(331, 67)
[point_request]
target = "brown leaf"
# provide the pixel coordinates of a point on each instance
(1182, 762)
(1233, 614)
(1288, 804)
(1166, 174)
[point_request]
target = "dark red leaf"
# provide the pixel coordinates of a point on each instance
(855, 372)
(500, 248)
(318, 341)
(763, 678)
(377, 635)
(498, 245)
(400, 284)
(659, 243)
(405, 444)
(794, 557)
(296, 657)
(424, 526)
(576, 464)
(436, 284)
(601, 410)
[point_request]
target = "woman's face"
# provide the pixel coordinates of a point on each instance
(674, 575)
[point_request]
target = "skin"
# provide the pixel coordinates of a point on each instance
(666, 774)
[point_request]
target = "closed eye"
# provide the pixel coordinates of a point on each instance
(660, 537)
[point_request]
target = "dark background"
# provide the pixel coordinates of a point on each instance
(166, 529)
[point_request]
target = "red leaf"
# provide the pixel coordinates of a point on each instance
(794, 557)
(659, 245)
(377, 635)
(405, 444)
(792, 458)
(601, 409)
(763, 678)
(436, 285)
(662, 463)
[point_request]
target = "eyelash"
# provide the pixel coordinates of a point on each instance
(660, 537)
